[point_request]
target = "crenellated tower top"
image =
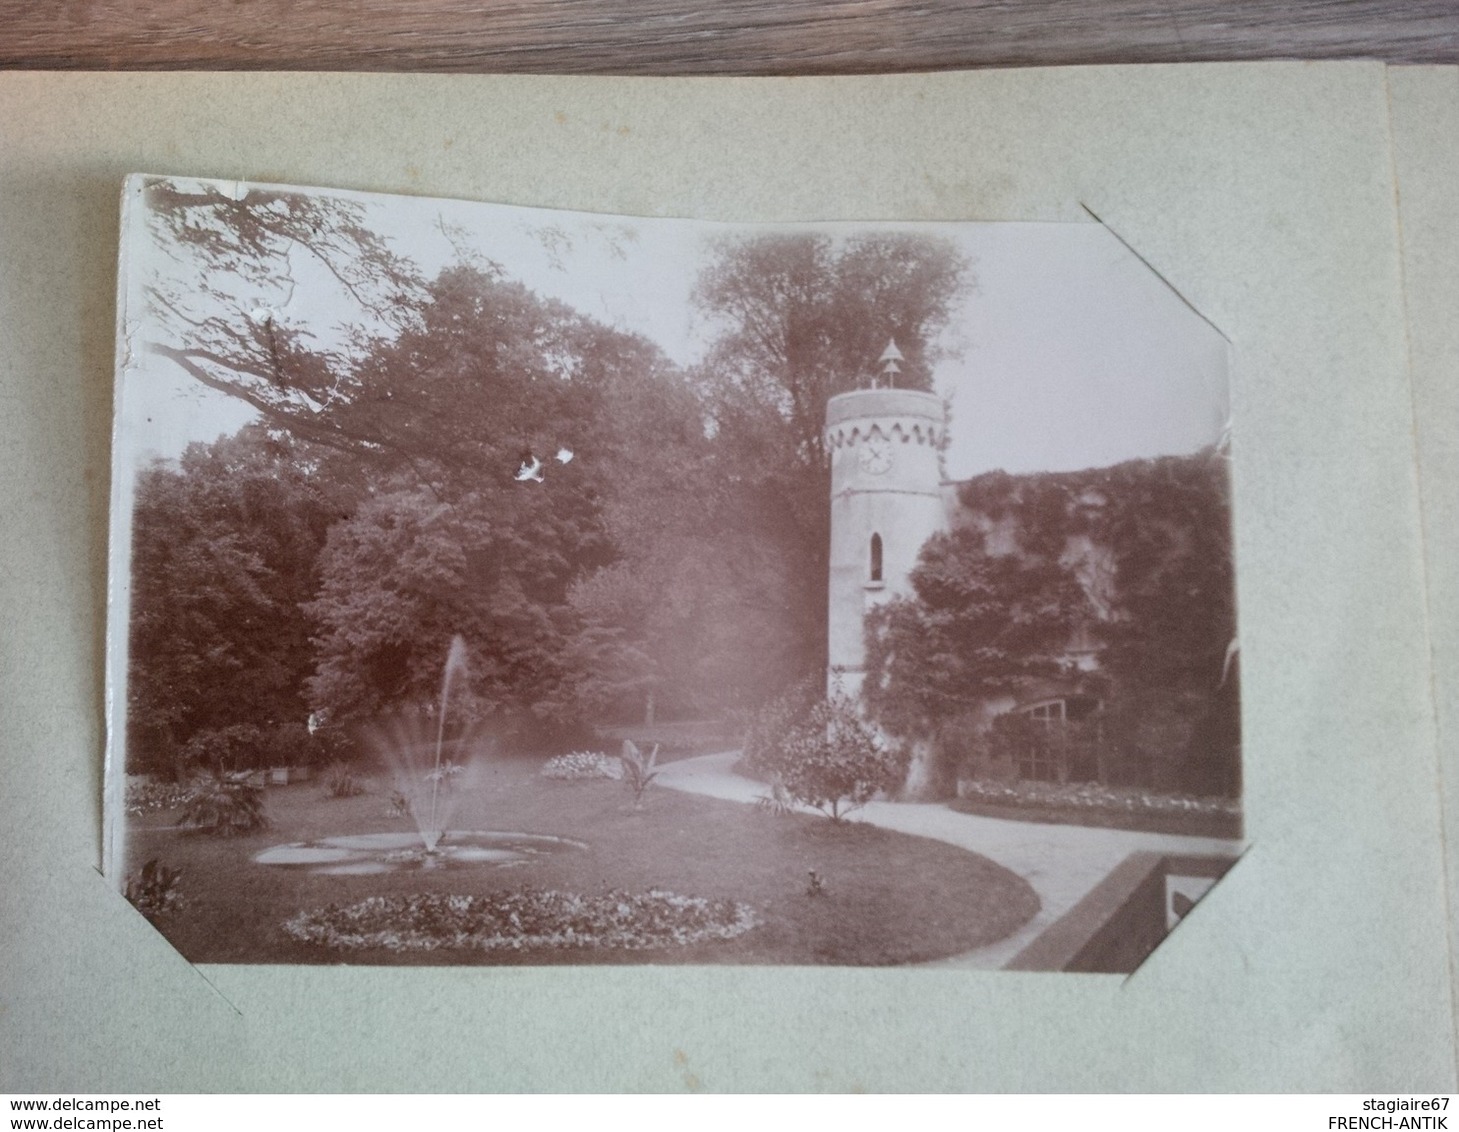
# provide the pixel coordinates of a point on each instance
(904, 416)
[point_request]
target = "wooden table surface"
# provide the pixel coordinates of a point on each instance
(710, 36)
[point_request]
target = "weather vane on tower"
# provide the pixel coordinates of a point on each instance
(890, 357)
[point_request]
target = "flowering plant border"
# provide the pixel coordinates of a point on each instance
(523, 920)
(1091, 803)
(579, 765)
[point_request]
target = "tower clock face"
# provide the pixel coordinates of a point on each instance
(876, 456)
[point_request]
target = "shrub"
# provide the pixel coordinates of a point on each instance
(834, 762)
(327, 745)
(340, 782)
(289, 744)
(222, 749)
(773, 725)
(154, 890)
(224, 805)
(582, 764)
(638, 772)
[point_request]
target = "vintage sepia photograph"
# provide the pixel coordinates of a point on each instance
(496, 585)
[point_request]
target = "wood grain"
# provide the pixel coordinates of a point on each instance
(702, 37)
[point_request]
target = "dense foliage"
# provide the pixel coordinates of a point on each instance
(225, 550)
(1133, 562)
(980, 626)
(225, 804)
(669, 561)
(775, 723)
(154, 890)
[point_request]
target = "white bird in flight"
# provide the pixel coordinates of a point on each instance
(530, 470)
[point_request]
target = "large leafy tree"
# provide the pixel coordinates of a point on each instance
(224, 549)
(230, 299)
(804, 316)
(1175, 696)
(801, 317)
(689, 617)
(435, 392)
(403, 576)
(683, 625)
(455, 540)
(1169, 524)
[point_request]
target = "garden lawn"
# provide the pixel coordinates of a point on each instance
(889, 898)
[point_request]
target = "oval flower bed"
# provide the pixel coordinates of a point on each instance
(515, 921)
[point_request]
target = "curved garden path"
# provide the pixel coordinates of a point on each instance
(1061, 862)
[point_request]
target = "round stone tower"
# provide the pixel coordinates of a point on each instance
(886, 501)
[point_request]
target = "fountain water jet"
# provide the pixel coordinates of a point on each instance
(409, 748)
(432, 830)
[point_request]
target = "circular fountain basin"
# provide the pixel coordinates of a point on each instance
(363, 854)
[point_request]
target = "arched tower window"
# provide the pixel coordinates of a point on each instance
(876, 558)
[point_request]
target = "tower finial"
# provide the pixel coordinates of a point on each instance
(890, 357)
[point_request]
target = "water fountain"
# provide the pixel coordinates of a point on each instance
(431, 796)
(432, 829)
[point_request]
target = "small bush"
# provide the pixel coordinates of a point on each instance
(340, 782)
(582, 765)
(834, 762)
(289, 744)
(154, 890)
(224, 805)
(773, 726)
(222, 749)
(326, 745)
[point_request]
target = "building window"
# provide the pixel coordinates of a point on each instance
(1037, 763)
(1038, 758)
(1047, 714)
(1064, 742)
(876, 558)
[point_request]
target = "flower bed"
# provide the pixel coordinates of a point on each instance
(581, 765)
(150, 797)
(1090, 803)
(516, 921)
